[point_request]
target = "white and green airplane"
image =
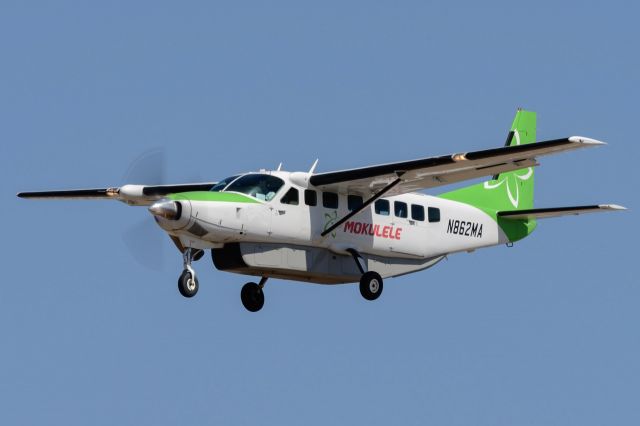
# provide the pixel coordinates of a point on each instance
(357, 225)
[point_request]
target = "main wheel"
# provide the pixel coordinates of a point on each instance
(187, 284)
(252, 297)
(371, 285)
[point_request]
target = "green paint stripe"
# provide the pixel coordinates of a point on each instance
(228, 197)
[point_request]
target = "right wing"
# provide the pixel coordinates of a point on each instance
(135, 195)
(431, 172)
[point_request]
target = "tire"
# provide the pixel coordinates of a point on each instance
(187, 286)
(252, 297)
(371, 285)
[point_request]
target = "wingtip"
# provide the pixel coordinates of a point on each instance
(612, 207)
(586, 141)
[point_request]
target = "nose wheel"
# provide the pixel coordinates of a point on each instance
(188, 281)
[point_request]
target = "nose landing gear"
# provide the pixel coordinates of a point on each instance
(188, 281)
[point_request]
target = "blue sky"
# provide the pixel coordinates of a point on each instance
(545, 332)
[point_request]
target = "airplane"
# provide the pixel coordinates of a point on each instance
(359, 225)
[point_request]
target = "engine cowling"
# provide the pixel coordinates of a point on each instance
(171, 215)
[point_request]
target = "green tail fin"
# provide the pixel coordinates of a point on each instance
(506, 191)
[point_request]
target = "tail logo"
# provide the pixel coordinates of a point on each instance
(511, 180)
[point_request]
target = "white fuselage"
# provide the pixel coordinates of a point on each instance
(395, 232)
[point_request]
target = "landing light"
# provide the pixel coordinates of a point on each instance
(459, 157)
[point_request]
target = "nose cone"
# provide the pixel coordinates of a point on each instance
(166, 209)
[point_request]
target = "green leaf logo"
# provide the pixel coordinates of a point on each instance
(330, 220)
(512, 179)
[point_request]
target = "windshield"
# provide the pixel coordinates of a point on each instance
(219, 186)
(262, 187)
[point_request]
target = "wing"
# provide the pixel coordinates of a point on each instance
(447, 169)
(137, 195)
(558, 211)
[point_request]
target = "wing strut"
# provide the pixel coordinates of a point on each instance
(364, 205)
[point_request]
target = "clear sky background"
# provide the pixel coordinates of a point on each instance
(545, 332)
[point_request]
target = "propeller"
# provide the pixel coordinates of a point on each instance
(148, 169)
(144, 239)
(147, 243)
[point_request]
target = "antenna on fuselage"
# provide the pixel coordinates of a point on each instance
(313, 167)
(279, 167)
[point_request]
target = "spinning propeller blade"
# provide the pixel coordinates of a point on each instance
(148, 169)
(144, 239)
(147, 243)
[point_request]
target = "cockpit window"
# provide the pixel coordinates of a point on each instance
(262, 187)
(223, 183)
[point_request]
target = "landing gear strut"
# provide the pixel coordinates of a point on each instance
(252, 295)
(370, 281)
(188, 282)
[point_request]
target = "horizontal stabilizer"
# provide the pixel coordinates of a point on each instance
(558, 211)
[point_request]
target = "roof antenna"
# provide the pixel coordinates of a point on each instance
(279, 167)
(313, 168)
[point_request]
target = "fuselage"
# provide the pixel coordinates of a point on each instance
(411, 226)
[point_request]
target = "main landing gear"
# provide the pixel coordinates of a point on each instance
(370, 281)
(188, 281)
(252, 295)
(371, 285)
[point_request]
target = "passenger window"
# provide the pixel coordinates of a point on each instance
(310, 197)
(434, 214)
(330, 200)
(417, 212)
(354, 202)
(400, 209)
(382, 207)
(291, 197)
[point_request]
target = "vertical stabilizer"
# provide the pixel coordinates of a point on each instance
(506, 191)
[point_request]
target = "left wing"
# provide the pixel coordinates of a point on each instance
(135, 195)
(431, 172)
(558, 211)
